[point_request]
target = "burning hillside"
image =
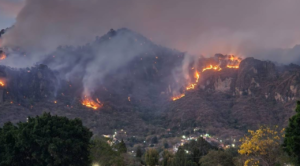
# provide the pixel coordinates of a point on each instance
(140, 86)
(89, 102)
(215, 64)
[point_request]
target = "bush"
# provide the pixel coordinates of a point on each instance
(45, 140)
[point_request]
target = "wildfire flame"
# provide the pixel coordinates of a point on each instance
(233, 67)
(231, 61)
(192, 86)
(2, 56)
(1, 83)
(197, 76)
(234, 62)
(211, 67)
(178, 97)
(89, 102)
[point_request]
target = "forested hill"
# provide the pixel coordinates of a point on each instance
(137, 95)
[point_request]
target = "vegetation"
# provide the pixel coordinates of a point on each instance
(292, 135)
(103, 154)
(151, 157)
(215, 158)
(45, 140)
(56, 141)
(121, 147)
(139, 152)
(263, 147)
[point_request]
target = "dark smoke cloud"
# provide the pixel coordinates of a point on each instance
(10, 8)
(196, 26)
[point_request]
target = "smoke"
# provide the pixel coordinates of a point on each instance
(90, 63)
(11, 8)
(260, 28)
(198, 27)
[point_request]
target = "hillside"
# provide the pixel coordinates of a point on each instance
(229, 102)
(137, 94)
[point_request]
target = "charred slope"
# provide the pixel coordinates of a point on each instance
(131, 92)
(143, 76)
(230, 102)
(136, 94)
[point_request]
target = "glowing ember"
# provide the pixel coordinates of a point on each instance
(88, 102)
(232, 67)
(234, 62)
(178, 97)
(197, 76)
(192, 86)
(55, 102)
(98, 101)
(2, 56)
(1, 83)
(211, 67)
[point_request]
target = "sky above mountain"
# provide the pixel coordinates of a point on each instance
(9, 10)
(199, 27)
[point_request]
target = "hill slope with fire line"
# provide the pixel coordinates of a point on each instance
(223, 95)
(231, 101)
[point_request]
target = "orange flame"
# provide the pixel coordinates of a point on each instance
(211, 67)
(178, 97)
(88, 102)
(234, 62)
(1, 83)
(192, 86)
(232, 67)
(197, 76)
(2, 56)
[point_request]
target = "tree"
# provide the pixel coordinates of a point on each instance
(167, 158)
(151, 157)
(166, 145)
(292, 135)
(122, 147)
(198, 148)
(139, 152)
(216, 158)
(154, 140)
(180, 158)
(191, 163)
(103, 154)
(262, 147)
(45, 140)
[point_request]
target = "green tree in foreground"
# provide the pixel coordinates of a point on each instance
(45, 140)
(151, 157)
(217, 158)
(168, 158)
(101, 153)
(292, 135)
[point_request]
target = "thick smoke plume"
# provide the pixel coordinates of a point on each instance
(92, 62)
(198, 27)
(265, 29)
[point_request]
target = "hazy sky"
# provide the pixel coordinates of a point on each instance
(199, 27)
(8, 12)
